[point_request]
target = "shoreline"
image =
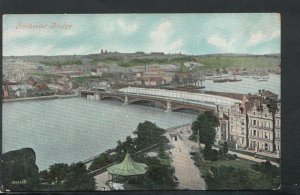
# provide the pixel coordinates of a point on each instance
(40, 98)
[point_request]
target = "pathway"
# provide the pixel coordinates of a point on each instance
(100, 181)
(186, 172)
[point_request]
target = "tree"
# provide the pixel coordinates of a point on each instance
(57, 173)
(101, 161)
(206, 124)
(20, 173)
(228, 178)
(78, 178)
(149, 134)
(159, 174)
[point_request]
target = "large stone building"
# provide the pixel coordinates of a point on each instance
(253, 126)
(260, 131)
(238, 126)
(238, 121)
(277, 129)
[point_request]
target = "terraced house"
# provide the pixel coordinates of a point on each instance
(253, 126)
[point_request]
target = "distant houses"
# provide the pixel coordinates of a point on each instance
(29, 89)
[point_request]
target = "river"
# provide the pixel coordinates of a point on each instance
(71, 130)
(247, 85)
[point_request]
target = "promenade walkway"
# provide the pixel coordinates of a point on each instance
(187, 173)
(100, 181)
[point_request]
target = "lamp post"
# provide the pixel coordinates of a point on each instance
(198, 140)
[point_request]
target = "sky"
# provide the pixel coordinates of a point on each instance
(194, 34)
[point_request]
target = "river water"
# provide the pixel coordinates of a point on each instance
(70, 130)
(247, 85)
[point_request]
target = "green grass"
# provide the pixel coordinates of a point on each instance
(257, 177)
(238, 163)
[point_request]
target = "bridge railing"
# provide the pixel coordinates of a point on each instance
(182, 96)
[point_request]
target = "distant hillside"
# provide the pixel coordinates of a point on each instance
(249, 61)
(209, 61)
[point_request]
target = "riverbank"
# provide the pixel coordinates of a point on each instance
(40, 98)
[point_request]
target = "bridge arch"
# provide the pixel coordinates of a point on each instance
(157, 103)
(112, 97)
(178, 107)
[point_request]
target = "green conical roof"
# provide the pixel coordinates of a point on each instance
(127, 167)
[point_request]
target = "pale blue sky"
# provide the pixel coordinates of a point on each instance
(253, 33)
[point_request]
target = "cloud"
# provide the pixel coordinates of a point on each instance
(259, 37)
(11, 34)
(32, 49)
(162, 32)
(226, 45)
(127, 27)
(120, 25)
(85, 49)
(161, 39)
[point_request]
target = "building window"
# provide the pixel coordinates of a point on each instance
(266, 146)
(243, 131)
(254, 122)
(266, 135)
(254, 132)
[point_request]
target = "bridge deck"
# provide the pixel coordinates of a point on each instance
(194, 98)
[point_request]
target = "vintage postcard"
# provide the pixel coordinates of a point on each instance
(141, 102)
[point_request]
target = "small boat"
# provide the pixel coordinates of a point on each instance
(234, 80)
(220, 80)
(265, 77)
(255, 77)
(262, 79)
